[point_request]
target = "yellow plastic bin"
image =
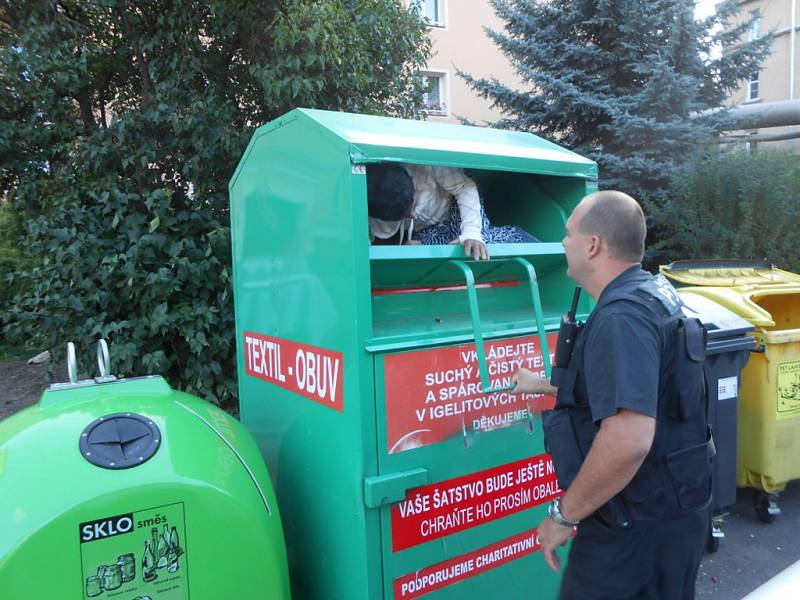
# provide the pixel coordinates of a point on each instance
(769, 401)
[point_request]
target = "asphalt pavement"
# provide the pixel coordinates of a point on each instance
(752, 552)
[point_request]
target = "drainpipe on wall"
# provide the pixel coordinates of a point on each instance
(791, 52)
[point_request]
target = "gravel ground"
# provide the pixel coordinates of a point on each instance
(752, 552)
(21, 385)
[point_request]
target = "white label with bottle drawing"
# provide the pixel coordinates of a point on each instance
(140, 554)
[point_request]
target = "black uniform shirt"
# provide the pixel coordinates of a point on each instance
(622, 355)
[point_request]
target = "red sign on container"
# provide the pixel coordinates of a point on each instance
(465, 566)
(434, 394)
(315, 373)
(433, 511)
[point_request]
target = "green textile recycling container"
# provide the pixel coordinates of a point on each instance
(114, 488)
(373, 377)
(769, 407)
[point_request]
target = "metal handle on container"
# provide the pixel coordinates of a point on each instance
(103, 360)
(474, 311)
(72, 363)
(538, 313)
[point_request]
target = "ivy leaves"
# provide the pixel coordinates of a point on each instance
(121, 122)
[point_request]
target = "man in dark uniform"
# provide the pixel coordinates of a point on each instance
(628, 435)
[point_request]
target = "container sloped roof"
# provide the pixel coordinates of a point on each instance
(371, 139)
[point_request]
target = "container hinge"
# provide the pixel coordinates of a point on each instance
(381, 490)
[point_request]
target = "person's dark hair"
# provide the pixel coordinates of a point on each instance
(618, 219)
(390, 192)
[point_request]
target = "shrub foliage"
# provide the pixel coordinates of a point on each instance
(122, 121)
(739, 205)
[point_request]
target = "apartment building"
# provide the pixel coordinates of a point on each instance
(778, 79)
(460, 42)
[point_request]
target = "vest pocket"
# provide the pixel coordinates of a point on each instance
(688, 375)
(565, 379)
(691, 475)
(563, 446)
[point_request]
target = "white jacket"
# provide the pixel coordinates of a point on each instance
(434, 188)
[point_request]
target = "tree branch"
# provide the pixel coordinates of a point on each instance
(141, 61)
(84, 100)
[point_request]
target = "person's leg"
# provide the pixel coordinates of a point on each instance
(442, 233)
(450, 229)
(679, 547)
(503, 234)
(605, 564)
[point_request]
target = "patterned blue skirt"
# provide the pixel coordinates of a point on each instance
(450, 229)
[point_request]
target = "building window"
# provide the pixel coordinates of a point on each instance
(434, 94)
(754, 34)
(755, 25)
(433, 11)
(752, 87)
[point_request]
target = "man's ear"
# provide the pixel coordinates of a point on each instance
(593, 246)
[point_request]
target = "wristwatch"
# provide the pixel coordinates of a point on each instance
(554, 512)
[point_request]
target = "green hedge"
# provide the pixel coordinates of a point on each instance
(737, 205)
(122, 124)
(12, 259)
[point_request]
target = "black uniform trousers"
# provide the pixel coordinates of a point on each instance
(653, 560)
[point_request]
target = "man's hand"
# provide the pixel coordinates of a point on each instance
(551, 536)
(528, 382)
(474, 249)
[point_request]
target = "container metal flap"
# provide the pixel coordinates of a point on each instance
(727, 273)
(424, 142)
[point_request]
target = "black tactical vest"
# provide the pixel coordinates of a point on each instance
(675, 478)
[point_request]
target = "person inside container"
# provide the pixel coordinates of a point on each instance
(419, 204)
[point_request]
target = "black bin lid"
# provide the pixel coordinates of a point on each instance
(120, 441)
(720, 321)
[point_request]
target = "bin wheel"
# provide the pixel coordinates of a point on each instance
(712, 543)
(715, 533)
(766, 506)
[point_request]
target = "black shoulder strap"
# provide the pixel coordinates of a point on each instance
(645, 288)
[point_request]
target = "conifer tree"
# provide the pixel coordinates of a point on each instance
(621, 81)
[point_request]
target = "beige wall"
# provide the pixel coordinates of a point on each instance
(775, 81)
(775, 77)
(463, 44)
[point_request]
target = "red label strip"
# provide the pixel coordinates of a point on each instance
(433, 511)
(443, 288)
(432, 395)
(315, 373)
(465, 566)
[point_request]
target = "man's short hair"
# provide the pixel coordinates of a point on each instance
(390, 192)
(619, 221)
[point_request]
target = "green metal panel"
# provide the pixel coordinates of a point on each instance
(207, 480)
(540, 204)
(421, 316)
(308, 286)
(466, 452)
(298, 268)
(381, 138)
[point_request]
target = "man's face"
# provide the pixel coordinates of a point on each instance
(576, 246)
